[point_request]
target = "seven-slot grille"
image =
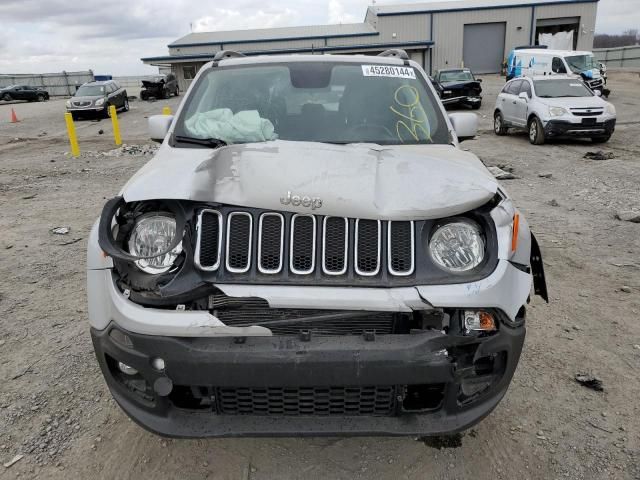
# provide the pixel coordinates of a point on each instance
(295, 242)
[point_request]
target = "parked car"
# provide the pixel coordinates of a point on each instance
(310, 252)
(23, 92)
(95, 98)
(536, 61)
(160, 86)
(458, 86)
(553, 107)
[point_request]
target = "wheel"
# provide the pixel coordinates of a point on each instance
(75, 116)
(536, 131)
(40, 97)
(143, 95)
(177, 91)
(125, 107)
(602, 139)
(107, 111)
(165, 93)
(6, 97)
(498, 124)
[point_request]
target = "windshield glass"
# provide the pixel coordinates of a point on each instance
(313, 101)
(580, 63)
(90, 90)
(561, 88)
(456, 76)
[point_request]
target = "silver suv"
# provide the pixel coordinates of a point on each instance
(553, 107)
(310, 252)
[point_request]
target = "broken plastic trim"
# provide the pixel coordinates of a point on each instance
(105, 234)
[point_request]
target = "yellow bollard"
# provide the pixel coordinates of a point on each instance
(116, 126)
(71, 131)
(166, 110)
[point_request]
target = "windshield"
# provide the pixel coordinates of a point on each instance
(456, 76)
(90, 91)
(561, 88)
(313, 101)
(580, 63)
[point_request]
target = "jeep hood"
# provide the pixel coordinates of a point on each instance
(357, 180)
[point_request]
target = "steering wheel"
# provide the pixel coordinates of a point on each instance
(371, 126)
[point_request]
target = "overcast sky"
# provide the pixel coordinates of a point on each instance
(111, 36)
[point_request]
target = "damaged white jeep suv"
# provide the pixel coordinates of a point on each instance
(310, 253)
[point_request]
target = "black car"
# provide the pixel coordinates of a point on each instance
(95, 98)
(160, 86)
(458, 86)
(23, 92)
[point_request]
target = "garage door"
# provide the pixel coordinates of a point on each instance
(483, 47)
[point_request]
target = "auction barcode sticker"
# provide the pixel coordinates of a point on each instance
(388, 71)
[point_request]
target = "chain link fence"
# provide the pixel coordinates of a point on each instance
(619, 57)
(57, 84)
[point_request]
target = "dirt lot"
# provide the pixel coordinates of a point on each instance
(56, 411)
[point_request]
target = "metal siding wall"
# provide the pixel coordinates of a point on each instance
(448, 32)
(406, 28)
(586, 12)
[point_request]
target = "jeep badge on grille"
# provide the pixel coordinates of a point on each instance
(297, 200)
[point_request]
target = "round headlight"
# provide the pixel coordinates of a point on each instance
(153, 234)
(457, 246)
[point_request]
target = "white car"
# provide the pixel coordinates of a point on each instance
(310, 253)
(551, 107)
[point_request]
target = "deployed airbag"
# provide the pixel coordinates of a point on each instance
(242, 127)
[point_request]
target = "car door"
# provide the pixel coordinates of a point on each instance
(508, 100)
(119, 93)
(521, 105)
(18, 93)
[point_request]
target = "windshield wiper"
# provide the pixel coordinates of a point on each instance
(205, 142)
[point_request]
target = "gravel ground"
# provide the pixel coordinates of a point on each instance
(56, 411)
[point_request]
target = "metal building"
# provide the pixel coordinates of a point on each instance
(475, 33)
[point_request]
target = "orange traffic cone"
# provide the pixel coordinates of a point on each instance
(14, 117)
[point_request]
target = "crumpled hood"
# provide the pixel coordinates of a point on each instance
(357, 180)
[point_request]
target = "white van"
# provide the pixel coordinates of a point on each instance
(540, 61)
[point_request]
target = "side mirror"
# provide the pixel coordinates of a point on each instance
(464, 124)
(159, 127)
(524, 96)
(479, 80)
(597, 93)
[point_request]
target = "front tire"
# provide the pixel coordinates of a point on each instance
(536, 131)
(107, 112)
(125, 107)
(41, 98)
(602, 139)
(6, 97)
(177, 91)
(498, 124)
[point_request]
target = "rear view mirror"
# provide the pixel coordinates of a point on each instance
(464, 124)
(524, 96)
(159, 126)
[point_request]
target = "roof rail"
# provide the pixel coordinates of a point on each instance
(396, 53)
(530, 47)
(224, 54)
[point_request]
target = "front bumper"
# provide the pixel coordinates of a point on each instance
(566, 128)
(452, 368)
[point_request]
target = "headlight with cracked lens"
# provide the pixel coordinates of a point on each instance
(99, 102)
(556, 111)
(611, 110)
(457, 246)
(154, 234)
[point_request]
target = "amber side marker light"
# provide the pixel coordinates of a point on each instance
(516, 226)
(479, 321)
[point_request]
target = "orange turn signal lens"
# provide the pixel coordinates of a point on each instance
(516, 227)
(479, 321)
